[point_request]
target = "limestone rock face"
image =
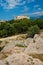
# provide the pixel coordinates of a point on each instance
(12, 48)
(20, 59)
(18, 52)
(36, 46)
(22, 17)
(1, 63)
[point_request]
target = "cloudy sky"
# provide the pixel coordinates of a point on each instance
(12, 8)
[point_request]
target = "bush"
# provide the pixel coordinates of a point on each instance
(14, 27)
(33, 30)
(0, 41)
(39, 22)
(1, 48)
(20, 45)
(7, 63)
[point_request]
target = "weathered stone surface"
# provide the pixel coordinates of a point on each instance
(20, 59)
(36, 46)
(18, 55)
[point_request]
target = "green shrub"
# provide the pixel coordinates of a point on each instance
(39, 22)
(14, 27)
(7, 63)
(33, 30)
(20, 45)
(1, 48)
(0, 41)
(32, 63)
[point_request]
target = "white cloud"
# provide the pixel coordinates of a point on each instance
(25, 9)
(10, 4)
(36, 6)
(29, 1)
(36, 13)
(21, 3)
(39, 8)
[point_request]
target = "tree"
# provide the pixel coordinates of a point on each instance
(33, 30)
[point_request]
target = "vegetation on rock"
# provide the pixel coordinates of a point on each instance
(33, 30)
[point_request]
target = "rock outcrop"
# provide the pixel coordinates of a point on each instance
(22, 51)
(20, 59)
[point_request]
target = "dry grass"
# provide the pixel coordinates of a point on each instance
(20, 45)
(41, 30)
(39, 56)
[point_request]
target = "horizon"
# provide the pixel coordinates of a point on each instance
(9, 9)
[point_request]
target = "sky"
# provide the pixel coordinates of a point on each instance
(9, 9)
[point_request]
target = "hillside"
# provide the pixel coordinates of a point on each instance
(22, 26)
(19, 50)
(21, 42)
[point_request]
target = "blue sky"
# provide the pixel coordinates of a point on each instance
(9, 9)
